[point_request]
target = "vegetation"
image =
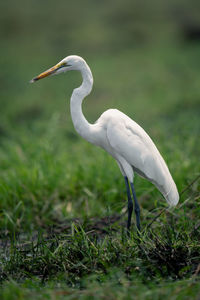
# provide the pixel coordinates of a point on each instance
(62, 200)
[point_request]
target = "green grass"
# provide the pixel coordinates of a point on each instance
(83, 264)
(62, 200)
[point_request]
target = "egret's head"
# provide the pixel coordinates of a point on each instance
(71, 62)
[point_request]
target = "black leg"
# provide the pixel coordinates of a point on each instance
(137, 208)
(130, 205)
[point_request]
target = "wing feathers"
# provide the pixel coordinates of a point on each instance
(131, 142)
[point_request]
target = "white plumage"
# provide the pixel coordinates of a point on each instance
(134, 150)
(119, 135)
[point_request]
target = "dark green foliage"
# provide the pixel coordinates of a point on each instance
(167, 255)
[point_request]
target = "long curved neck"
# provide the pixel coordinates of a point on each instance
(80, 123)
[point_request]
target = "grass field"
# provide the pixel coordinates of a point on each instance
(62, 200)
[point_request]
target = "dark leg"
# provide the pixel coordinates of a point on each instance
(137, 208)
(130, 205)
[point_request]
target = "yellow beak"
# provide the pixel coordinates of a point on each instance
(46, 73)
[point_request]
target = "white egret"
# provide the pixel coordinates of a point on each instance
(120, 136)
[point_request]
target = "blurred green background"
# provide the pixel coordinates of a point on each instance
(144, 56)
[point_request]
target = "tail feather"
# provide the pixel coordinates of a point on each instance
(171, 195)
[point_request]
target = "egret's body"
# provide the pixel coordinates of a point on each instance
(120, 136)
